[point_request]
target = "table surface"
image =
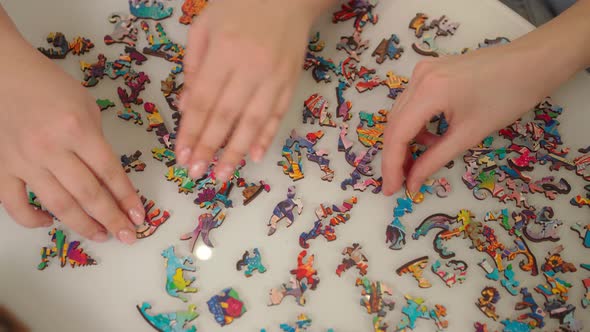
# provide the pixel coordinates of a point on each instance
(103, 297)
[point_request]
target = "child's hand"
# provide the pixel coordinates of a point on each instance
(242, 64)
(52, 142)
(478, 92)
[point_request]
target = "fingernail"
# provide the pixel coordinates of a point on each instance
(223, 173)
(137, 215)
(198, 169)
(183, 156)
(100, 237)
(126, 236)
(257, 154)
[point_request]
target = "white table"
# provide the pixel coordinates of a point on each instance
(103, 297)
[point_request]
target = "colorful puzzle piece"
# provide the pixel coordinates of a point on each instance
(170, 322)
(153, 219)
(354, 257)
(226, 306)
(251, 262)
(284, 209)
(66, 252)
(175, 280)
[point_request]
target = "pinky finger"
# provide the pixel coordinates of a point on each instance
(14, 199)
(269, 131)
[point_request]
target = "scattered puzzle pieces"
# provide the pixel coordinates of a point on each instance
(339, 215)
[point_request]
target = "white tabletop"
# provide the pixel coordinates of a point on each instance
(103, 297)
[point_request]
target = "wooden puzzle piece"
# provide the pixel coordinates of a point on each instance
(125, 30)
(190, 9)
(487, 302)
(338, 216)
(554, 262)
(61, 47)
(416, 268)
(163, 47)
(376, 297)
(104, 104)
(153, 219)
(175, 280)
(305, 270)
(226, 306)
(456, 274)
(418, 24)
(320, 67)
(284, 209)
(172, 321)
(509, 283)
(316, 107)
(130, 162)
(66, 252)
(396, 84)
(354, 257)
(361, 11)
(129, 114)
(315, 44)
(136, 84)
(166, 154)
(536, 317)
(251, 262)
(149, 9)
(206, 223)
(388, 48)
(582, 233)
(295, 288)
(353, 45)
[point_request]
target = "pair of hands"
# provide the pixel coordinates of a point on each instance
(240, 76)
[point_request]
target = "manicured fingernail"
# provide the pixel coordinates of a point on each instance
(223, 172)
(198, 169)
(137, 215)
(126, 236)
(99, 237)
(183, 156)
(257, 154)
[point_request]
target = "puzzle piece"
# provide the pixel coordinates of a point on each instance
(458, 271)
(315, 44)
(316, 107)
(130, 162)
(251, 262)
(161, 46)
(586, 297)
(149, 9)
(104, 104)
(361, 11)
(536, 317)
(509, 283)
(175, 280)
(170, 322)
(206, 223)
(136, 84)
(416, 268)
(166, 154)
(320, 67)
(554, 262)
(284, 209)
(153, 219)
(226, 306)
(125, 30)
(129, 114)
(190, 9)
(396, 84)
(388, 48)
(353, 45)
(376, 297)
(327, 230)
(354, 257)
(66, 252)
(295, 288)
(486, 303)
(61, 47)
(305, 270)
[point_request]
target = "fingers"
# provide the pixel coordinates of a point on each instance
(15, 201)
(437, 155)
(100, 158)
(230, 107)
(401, 128)
(256, 114)
(91, 196)
(272, 125)
(57, 200)
(203, 89)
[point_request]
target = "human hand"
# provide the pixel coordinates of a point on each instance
(241, 67)
(479, 92)
(53, 143)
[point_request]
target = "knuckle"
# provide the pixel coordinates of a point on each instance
(254, 119)
(90, 193)
(60, 206)
(73, 124)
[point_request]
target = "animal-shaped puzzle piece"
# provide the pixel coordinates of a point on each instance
(418, 24)
(536, 317)
(125, 30)
(180, 176)
(226, 306)
(149, 9)
(427, 46)
(295, 288)
(376, 296)
(252, 190)
(509, 283)
(190, 9)
(580, 201)
(444, 26)
(320, 67)
(582, 164)
(327, 230)
(66, 252)
(413, 310)
(487, 302)
(305, 270)
(301, 325)
(368, 80)
(206, 223)
(554, 288)
(583, 233)
(104, 104)
(316, 107)
(172, 321)
(554, 262)
(515, 326)
(344, 106)
(457, 273)
(388, 48)
(161, 46)
(153, 219)
(416, 268)
(61, 47)
(284, 209)
(292, 165)
(354, 257)
(396, 84)
(251, 262)
(353, 45)
(175, 280)
(130, 162)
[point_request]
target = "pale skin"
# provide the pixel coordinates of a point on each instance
(240, 76)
